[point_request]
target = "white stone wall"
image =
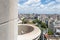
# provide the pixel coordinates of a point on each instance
(8, 19)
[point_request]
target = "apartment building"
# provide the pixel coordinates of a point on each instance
(52, 37)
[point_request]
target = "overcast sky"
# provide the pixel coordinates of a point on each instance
(39, 6)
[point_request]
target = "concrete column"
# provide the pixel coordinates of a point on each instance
(8, 19)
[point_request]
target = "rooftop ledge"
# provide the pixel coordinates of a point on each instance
(28, 32)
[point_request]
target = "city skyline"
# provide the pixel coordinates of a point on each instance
(39, 6)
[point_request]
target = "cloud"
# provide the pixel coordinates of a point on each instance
(47, 1)
(57, 0)
(22, 1)
(35, 6)
(29, 2)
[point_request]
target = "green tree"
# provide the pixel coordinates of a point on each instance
(35, 21)
(24, 21)
(43, 25)
(40, 23)
(50, 32)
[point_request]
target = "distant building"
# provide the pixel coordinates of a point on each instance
(42, 17)
(54, 16)
(52, 37)
(57, 27)
(50, 23)
(58, 17)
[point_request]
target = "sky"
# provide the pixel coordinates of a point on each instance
(39, 6)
